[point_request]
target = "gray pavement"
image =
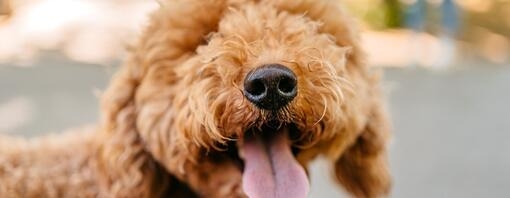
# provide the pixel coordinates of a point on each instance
(451, 129)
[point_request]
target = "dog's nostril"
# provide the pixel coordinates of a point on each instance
(255, 87)
(287, 85)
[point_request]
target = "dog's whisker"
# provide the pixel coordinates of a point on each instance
(323, 112)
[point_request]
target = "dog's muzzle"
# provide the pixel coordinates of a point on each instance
(270, 87)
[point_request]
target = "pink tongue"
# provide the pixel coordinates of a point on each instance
(270, 169)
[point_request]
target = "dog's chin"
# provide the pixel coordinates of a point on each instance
(267, 159)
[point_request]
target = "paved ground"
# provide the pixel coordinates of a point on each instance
(451, 139)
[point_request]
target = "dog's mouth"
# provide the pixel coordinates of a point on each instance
(269, 166)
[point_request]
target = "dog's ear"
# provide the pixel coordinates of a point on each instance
(125, 166)
(362, 168)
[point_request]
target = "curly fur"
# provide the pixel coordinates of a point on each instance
(172, 110)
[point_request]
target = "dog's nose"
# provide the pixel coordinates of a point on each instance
(270, 87)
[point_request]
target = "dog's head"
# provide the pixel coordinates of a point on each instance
(268, 85)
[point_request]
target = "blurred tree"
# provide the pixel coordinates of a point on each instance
(394, 14)
(451, 17)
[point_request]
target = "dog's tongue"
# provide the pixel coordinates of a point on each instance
(270, 170)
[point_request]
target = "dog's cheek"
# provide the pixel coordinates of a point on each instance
(237, 115)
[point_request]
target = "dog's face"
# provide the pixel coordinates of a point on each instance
(265, 69)
(266, 89)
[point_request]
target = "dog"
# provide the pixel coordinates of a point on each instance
(222, 98)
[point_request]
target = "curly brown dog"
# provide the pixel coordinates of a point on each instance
(229, 98)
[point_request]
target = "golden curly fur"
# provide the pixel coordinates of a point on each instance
(171, 113)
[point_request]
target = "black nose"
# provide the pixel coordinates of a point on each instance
(270, 87)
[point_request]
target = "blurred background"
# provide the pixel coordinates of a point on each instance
(447, 79)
